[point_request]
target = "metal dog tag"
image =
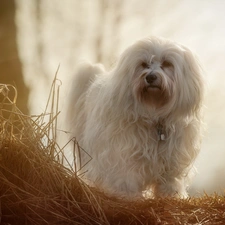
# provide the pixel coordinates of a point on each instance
(162, 137)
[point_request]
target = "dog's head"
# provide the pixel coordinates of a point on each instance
(162, 75)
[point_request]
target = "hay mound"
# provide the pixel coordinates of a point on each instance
(35, 188)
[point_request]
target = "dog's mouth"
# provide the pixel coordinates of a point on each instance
(153, 87)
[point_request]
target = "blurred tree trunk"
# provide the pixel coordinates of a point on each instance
(109, 14)
(100, 31)
(10, 65)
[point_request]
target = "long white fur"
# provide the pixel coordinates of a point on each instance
(118, 129)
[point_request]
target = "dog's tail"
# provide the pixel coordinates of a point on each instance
(83, 78)
(85, 75)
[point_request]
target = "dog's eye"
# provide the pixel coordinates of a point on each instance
(145, 65)
(166, 64)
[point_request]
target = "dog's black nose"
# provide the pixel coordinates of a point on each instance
(150, 78)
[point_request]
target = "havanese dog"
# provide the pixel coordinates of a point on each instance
(140, 123)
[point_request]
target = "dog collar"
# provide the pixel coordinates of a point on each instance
(161, 135)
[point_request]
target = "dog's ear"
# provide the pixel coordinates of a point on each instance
(191, 83)
(123, 73)
(127, 62)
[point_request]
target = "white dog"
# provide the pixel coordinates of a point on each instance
(140, 122)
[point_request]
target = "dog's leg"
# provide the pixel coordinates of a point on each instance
(127, 185)
(129, 190)
(171, 187)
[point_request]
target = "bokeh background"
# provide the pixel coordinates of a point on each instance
(36, 36)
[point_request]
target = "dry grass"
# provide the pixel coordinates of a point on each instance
(35, 188)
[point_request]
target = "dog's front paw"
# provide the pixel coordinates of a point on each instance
(171, 188)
